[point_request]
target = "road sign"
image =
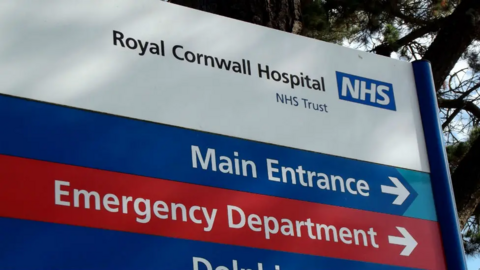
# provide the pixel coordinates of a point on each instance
(141, 134)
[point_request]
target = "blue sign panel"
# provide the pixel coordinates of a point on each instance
(365, 91)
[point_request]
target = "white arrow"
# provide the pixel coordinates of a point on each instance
(407, 241)
(399, 190)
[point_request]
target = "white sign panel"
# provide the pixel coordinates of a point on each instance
(168, 64)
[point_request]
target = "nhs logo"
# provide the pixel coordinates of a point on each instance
(365, 91)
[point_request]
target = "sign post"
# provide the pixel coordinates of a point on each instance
(145, 135)
(442, 187)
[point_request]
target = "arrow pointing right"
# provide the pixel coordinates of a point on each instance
(399, 190)
(407, 240)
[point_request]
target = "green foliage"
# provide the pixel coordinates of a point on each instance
(442, 7)
(371, 23)
(473, 60)
(317, 24)
(315, 17)
(471, 237)
(455, 153)
(474, 134)
(471, 231)
(390, 34)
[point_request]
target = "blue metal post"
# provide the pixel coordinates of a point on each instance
(439, 170)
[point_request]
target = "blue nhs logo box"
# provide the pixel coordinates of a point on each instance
(365, 91)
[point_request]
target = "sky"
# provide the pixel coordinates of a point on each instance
(473, 263)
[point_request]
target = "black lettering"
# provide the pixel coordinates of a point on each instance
(323, 85)
(143, 49)
(294, 81)
(190, 56)
(307, 79)
(199, 57)
(211, 59)
(223, 63)
(130, 40)
(280, 97)
(260, 71)
(174, 50)
(301, 76)
(118, 36)
(237, 68)
(305, 102)
(154, 49)
(290, 98)
(316, 85)
(276, 75)
(285, 77)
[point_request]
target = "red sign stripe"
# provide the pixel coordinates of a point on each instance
(27, 191)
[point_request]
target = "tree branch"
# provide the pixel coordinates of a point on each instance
(460, 103)
(399, 14)
(420, 32)
(387, 49)
(451, 117)
(453, 39)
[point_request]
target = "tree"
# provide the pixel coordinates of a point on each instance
(283, 15)
(441, 31)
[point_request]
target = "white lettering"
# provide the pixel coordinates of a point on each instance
(107, 203)
(59, 192)
(174, 212)
(157, 209)
(268, 229)
(362, 186)
(231, 224)
(364, 90)
(347, 85)
(349, 188)
(191, 213)
(209, 218)
(197, 260)
(372, 234)
(270, 169)
(204, 162)
(254, 220)
(380, 91)
(86, 194)
(145, 213)
(125, 201)
(345, 233)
